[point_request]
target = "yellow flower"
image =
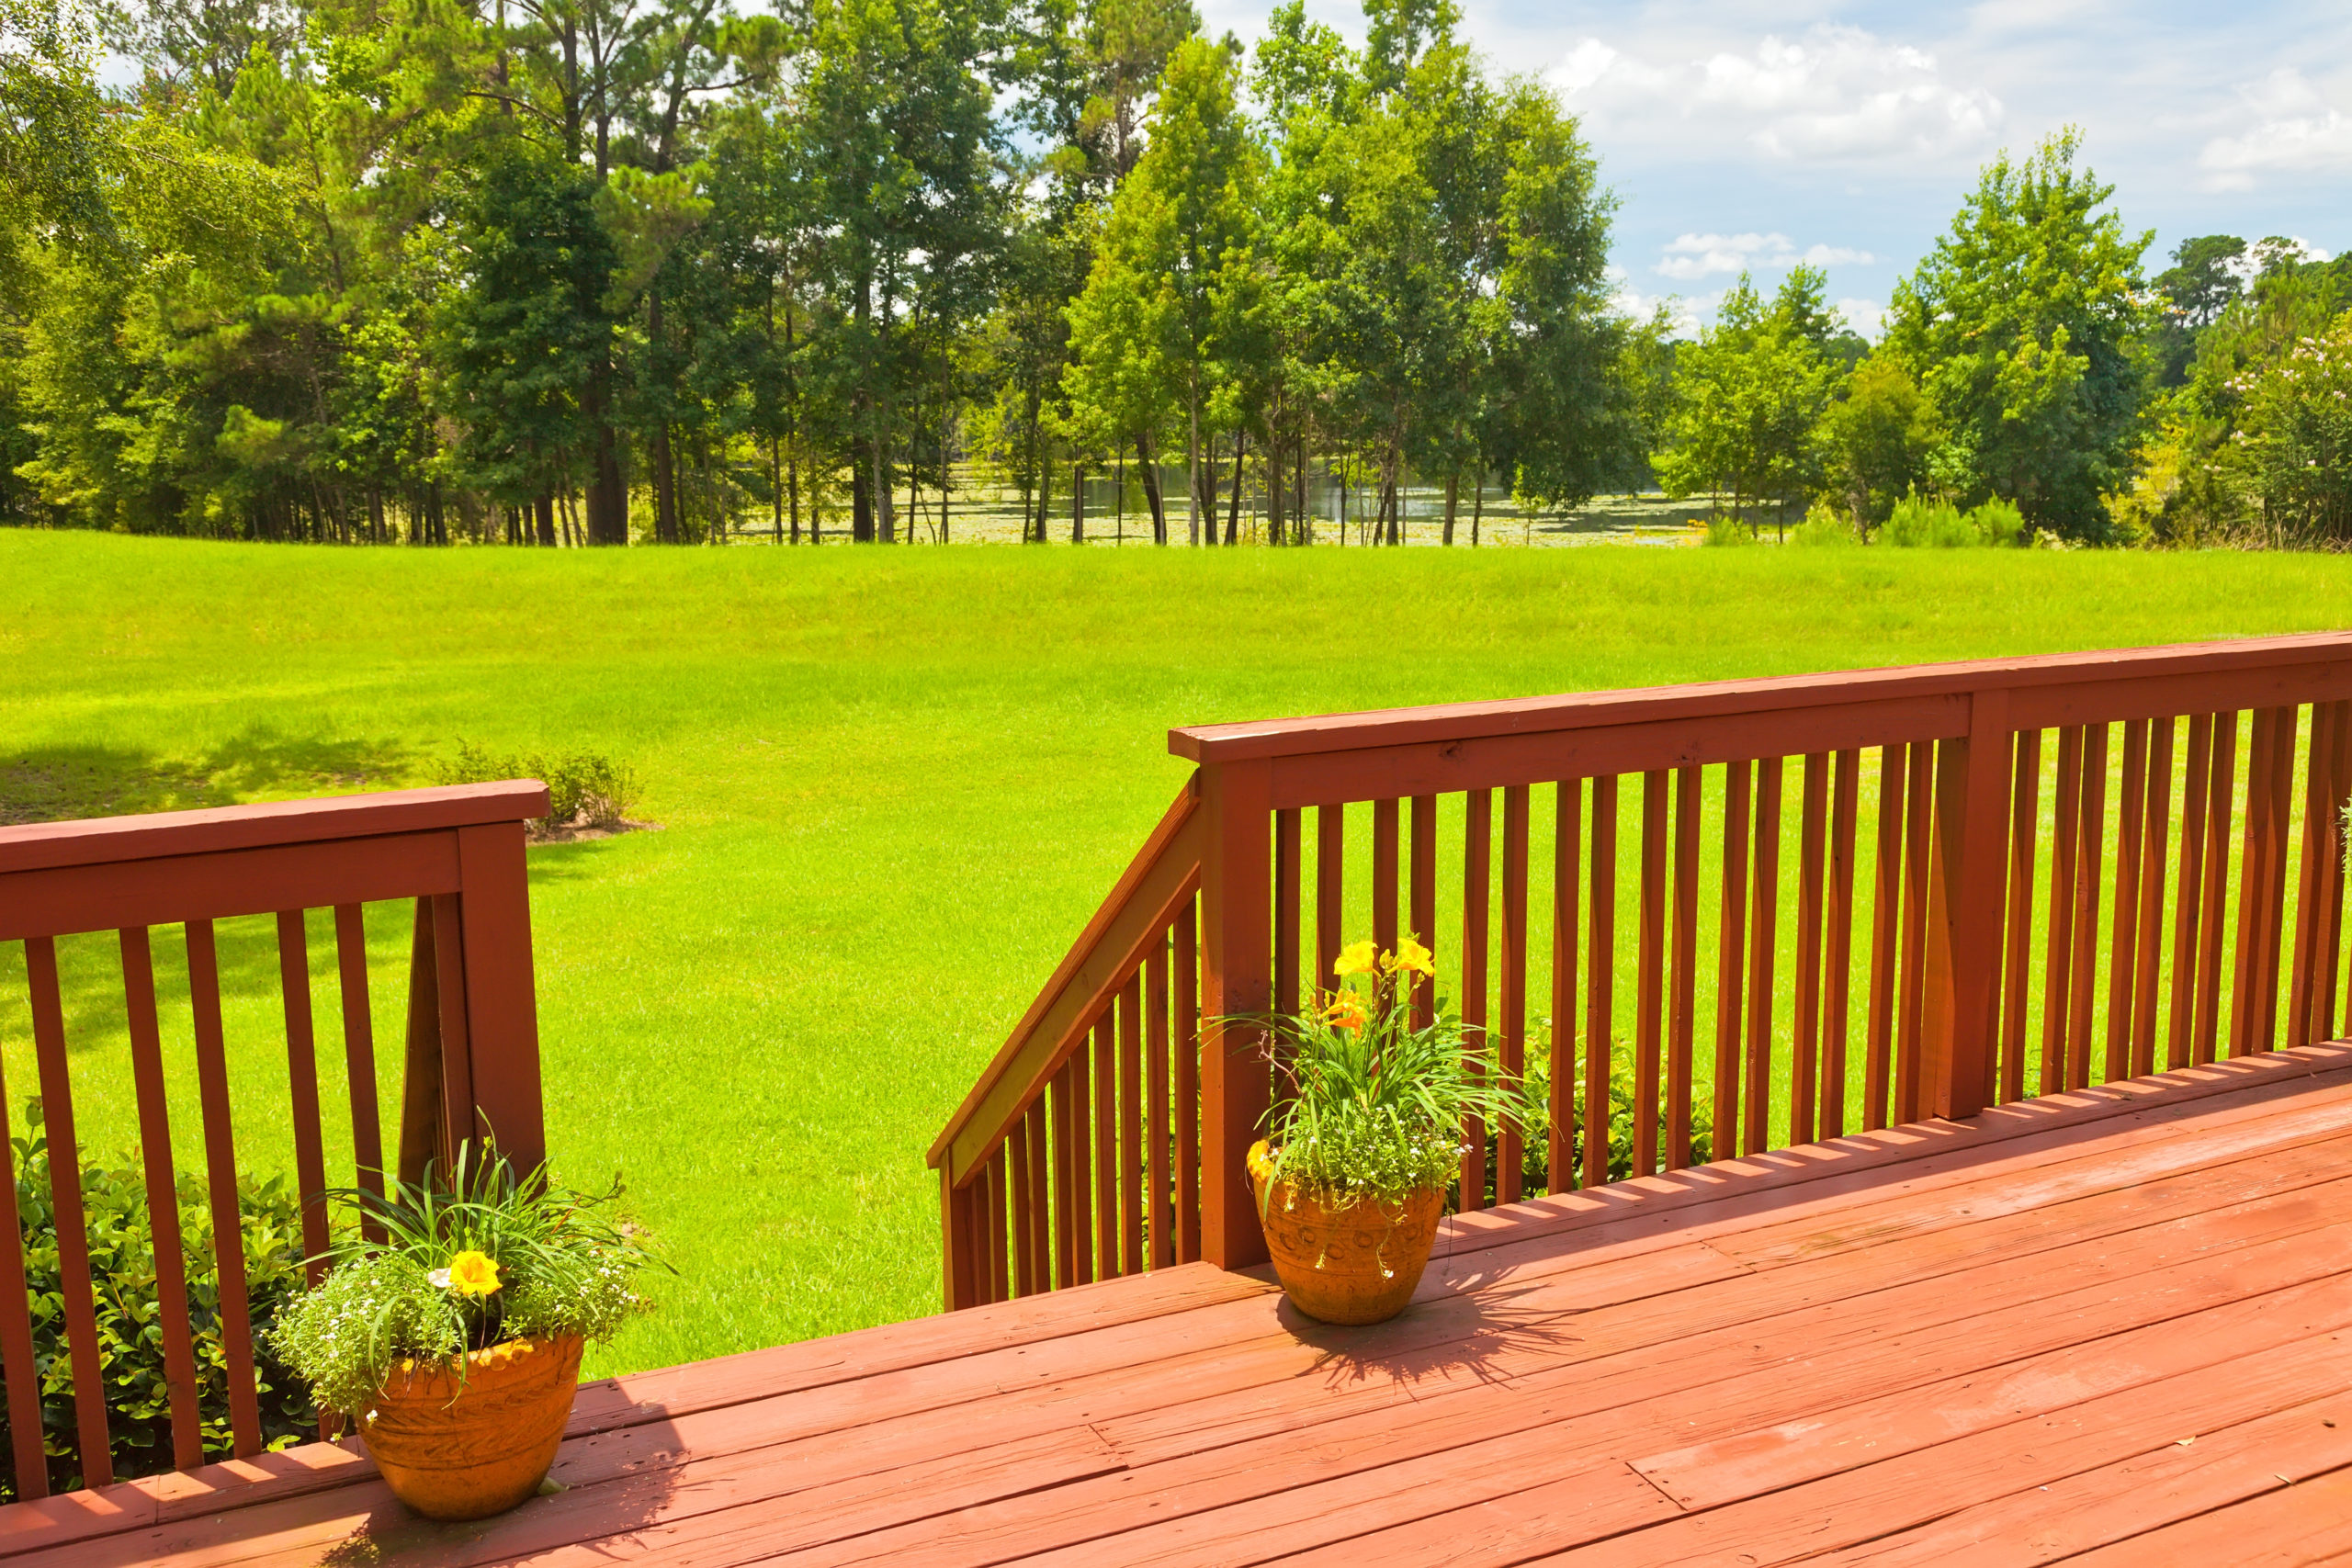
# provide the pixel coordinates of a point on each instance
(1357, 958)
(1412, 956)
(472, 1274)
(1346, 1010)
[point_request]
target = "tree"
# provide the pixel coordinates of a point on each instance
(2023, 319)
(1880, 433)
(1750, 397)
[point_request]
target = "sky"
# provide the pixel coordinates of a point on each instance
(1739, 134)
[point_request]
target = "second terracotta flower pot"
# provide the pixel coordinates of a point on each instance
(1359, 1263)
(453, 1449)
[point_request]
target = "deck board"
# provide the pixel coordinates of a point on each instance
(1978, 1342)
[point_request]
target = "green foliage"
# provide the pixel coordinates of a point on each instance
(558, 1262)
(130, 1317)
(585, 788)
(1823, 528)
(1536, 1132)
(1879, 434)
(1728, 530)
(1751, 396)
(1367, 1105)
(1921, 523)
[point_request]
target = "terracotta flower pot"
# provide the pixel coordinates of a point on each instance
(467, 1452)
(1355, 1264)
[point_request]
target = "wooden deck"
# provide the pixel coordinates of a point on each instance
(2111, 1327)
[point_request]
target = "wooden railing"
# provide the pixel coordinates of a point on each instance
(1785, 908)
(471, 1047)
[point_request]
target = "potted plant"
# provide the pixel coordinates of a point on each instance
(449, 1324)
(1364, 1133)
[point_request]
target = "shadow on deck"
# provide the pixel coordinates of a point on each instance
(2113, 1326)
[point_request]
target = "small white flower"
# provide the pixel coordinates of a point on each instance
(439, 1278)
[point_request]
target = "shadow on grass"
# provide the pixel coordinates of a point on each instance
(54, 784)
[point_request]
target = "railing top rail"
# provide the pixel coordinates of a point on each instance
(1215, 743)
(104, 841)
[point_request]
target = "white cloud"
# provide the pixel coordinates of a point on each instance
(1690, 256)
(1867, 317)
(2287, 124)
(1838, 93)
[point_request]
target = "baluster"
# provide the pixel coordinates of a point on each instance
(1918, 817)
(1649, 972)
(1024, 1265)
(2122, 978)
(1478, 831)
(302, 1081)
(1511, 1055)
(2254, 1002)
(23, 1374)
(65, 1203)
(2274, 861)
(1601, 981)
(2066, 834)
(1886, 901)
(221, 1177)
(1806, 1016)
(1187, 1062)
(1730, 956)
(1131, 1097)
(1838, 961)
(2025, 811)
(1041, 1213)
(1384, 874)
(1287, 913)
(2220, 807)
(2189, 904)
(992, 1220)
(1762, 950)
(359, 1058)
(2154, 840)
(2331, 952)
(163, 1196)
(1423, 896)
(1066, 1210)
(2090, 834)
(1156, 1222)
(1686, 966)
(1330, 909)
(1102, 1153)
(1567, 828)
(2311, 879)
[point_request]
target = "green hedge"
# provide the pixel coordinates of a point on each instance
(130, 1323)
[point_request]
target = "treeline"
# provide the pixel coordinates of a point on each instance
(2029, 361)
(588, 270)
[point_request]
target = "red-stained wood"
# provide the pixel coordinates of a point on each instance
(1971, 852)
(24, 1393)
(1510, 1040)
(220, 1183)
(2273, 916)
(1066, 1210)
(1040, 1211)
(458, 1110)
(2254, 878)
(2122, 948)
(1186, 1020)
(2059, 939)
(2205, 1040)
(1805, 1065)
(1422, 895)
(1763, 949)
(65, 1203)
(1083, 1134)
(999, 1213)
(1021, 1202)
(359, 1058)
(1731, 952)
(2331, 943)
(1132, 1092)
(2193, 896)
(2155, 839)
(1159, 1207)
(1331, 907)
(1649, 971)
(1384, 852)
(1837, 945)
(1478, 835)
(1567, 832)
(2311, 880)
(1103, 1152)
(1886, 924)
(1600, 979)
(1287, 913)
(1919, 872)
(1237, 892)
(302, 1086)
(501, 998)
(2090, 833)
(163, 1197)
(1683, 1004)
(2025, 803)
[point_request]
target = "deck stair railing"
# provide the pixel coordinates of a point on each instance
(1784, 909)
(471, 1059)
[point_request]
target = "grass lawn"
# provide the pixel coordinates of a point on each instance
(891, 786)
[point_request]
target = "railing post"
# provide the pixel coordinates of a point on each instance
(1236, 898)
(501, 1006)
(958, 1276)
(1969, 861)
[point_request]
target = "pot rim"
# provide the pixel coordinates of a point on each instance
(451, 1377)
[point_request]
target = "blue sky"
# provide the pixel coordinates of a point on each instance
(1740, 133)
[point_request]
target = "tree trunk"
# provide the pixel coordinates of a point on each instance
(1045, 501)
(861, 493)
(607, 491)
(1233, 512)
(1078, 503)
(1193, 473)
(1477, 507)
(1158, 503)
(1274, 488)
(1452, 491)
(665, 487)
(547, 518)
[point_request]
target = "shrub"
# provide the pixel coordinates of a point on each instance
(586, 789)
(130, 1334)
(1920, 524)
(1824, 525)
(1724, 529)
(1998, 521)
(1535, 1137)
